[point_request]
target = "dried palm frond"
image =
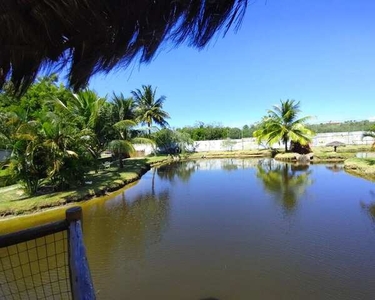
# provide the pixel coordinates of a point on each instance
(91, 36)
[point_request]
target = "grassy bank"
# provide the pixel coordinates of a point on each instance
(317, 157)
(13, 201)
(363, 167)
(326, 154)
(230, 154)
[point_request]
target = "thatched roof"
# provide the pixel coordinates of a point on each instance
(335, 144)
(96, 35)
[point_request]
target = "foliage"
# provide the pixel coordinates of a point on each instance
(347, 126)
(283, 125)
(149, 109)
(56, 137)
(170, 141)
(201, 131)
(228, 144)
(370, 133)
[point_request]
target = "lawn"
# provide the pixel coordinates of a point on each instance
(364, 167)
(13, 201)
(231, 154)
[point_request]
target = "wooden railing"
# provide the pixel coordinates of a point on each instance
(46, 261)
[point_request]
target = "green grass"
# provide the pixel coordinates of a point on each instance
(286, 156)
(13, 201)
(346, 149)
(332, 156)
(363, 167)
(231, 154)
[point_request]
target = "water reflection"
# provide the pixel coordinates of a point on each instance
(370, 207)
(179, 170)
(139, 219)
(287, 183)
(335, 167)
(229, 165)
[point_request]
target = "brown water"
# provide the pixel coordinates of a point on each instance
(234, 229)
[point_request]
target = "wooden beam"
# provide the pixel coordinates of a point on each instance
(80, 276)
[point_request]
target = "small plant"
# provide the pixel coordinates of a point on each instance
(228, 144)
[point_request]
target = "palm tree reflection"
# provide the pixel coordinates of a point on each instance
(370, 208)
(178, 170)
(287, 183)
(335, 167)
(229, 165)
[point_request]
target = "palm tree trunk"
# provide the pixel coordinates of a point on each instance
(286, 145)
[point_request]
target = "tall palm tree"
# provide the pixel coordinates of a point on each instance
(88, 111)
(150, 109)
(122, 108)
(282, 124)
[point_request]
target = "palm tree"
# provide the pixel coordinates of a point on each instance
(282, 124)
(370, 133)
(90, 112)
(150, 109)
(122, 108)
(123, 146)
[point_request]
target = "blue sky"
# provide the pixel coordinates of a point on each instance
(320, 52)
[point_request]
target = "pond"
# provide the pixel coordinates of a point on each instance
(233, 229)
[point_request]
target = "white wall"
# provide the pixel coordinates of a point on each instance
(321, 139)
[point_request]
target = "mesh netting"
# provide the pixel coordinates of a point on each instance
(36, 269)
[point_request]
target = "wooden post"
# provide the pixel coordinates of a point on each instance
(80, 276)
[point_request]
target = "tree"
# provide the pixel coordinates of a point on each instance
(370, 133)
(228, 144)
(171, 142)
(282, 124)
(90, 114)
(123, 146)
(122, 108)
(150, 109)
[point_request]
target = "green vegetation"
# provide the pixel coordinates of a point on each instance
(171, 142)
(346, 126)
(228, 144)
(231, 154)
(149, 109)
(57, 137)
(370, 133)
(15, 201)
(283, 125)
(202, 131)
(364, 167)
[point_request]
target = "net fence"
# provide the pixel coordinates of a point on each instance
(36, 269)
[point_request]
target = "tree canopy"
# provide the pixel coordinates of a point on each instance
(56, 137)
(283, 125)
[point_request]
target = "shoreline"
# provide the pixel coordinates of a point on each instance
(68, 198)
(82, 195)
